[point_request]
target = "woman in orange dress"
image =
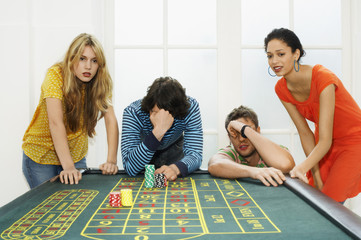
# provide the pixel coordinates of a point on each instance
(333, 151)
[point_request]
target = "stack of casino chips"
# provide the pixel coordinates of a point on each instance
(149, 175)
(115, 199)
(160, 180)
(127, 197)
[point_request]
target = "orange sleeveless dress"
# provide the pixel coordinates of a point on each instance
(340, 168)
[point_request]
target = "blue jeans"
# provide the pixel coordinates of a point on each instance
(36, 173)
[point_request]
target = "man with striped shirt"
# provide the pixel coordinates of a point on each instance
(250, 154)
(165, 129)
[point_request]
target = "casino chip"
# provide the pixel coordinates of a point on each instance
(127, 197)
(115, 199)
(160, 180)
(149, 175)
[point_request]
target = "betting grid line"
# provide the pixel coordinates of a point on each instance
(48, 232)
(167, 191)
(201, 216)
(258, 206)
(165, 208)
(199, 235)
(68, 219)
(51, 199)
(186, 187)
(62, 212)
(260, 209)
(122, 180)
(197, 203)
(96, 212)
(230, 208)
(33, 211)
(131, 209)
(59, 214)
(83, 203)
(25, 219)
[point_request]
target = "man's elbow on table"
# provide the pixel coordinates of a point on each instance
(212, 169)
(286, 165)
(219, 168)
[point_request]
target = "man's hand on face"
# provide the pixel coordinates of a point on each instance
(162, 120)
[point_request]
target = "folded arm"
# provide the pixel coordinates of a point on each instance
(221, 166)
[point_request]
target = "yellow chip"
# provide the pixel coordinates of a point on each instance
(127, 197)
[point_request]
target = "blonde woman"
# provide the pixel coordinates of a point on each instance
(75, 94)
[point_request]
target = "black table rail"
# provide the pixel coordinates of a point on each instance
(343, 217)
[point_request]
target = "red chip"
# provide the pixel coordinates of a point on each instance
(115, 199)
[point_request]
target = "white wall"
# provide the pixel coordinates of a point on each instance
(355, 203)
(14, 94)
(356, 49)
(34, 34)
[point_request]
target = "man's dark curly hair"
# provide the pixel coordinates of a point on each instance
(242, 112)
(168, 94)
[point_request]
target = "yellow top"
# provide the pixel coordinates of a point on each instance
(38, 144)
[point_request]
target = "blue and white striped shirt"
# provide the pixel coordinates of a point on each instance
(137, 151)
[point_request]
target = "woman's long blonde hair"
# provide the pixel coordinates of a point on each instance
(98, 92)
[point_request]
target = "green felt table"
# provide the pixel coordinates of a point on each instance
(196, 207)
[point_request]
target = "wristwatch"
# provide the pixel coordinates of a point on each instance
(242, 131)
